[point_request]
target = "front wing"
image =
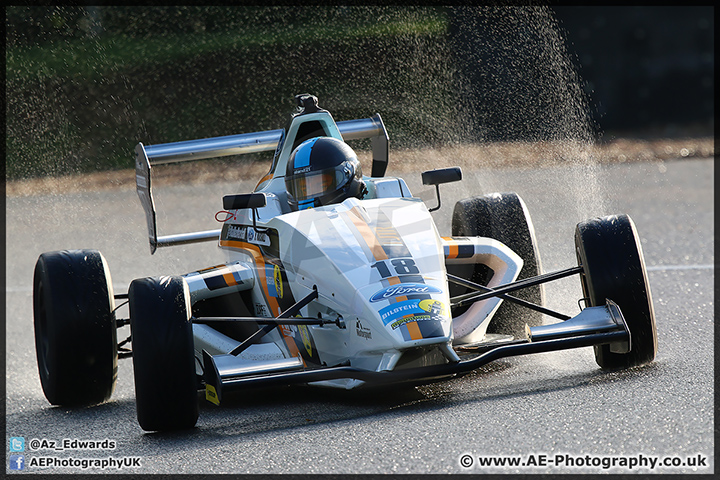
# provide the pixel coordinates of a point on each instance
(593, 326)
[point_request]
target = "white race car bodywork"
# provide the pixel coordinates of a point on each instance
(378, 266)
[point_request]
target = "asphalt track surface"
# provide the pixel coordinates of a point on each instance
(553, 412)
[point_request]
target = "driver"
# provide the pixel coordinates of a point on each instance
(322, 171)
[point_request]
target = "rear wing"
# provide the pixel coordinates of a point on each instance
(176, 152)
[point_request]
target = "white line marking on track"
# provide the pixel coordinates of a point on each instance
(660, 268)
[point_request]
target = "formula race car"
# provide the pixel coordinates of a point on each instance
(331, 278)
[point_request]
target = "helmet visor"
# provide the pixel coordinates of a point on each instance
(309, 185)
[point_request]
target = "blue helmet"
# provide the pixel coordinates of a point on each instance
(322, 171)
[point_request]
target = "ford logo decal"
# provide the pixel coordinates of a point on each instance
(403, 289)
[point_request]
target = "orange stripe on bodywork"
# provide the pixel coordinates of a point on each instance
(229, 278)
(452, 247)
(414, 331)
(264, 179)
(259, 260)
(368, 235)
(395, 281)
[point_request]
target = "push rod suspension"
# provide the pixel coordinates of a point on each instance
(461, 300)
(504, 296)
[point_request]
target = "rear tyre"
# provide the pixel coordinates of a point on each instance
(75, 331)
(163, 355)
(609, 251)
(503, 217)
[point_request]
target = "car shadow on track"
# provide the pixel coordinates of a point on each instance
(278, 409)
(273, 409)
(288, 408)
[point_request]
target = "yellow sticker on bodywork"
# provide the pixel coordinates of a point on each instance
(211, 394)
(306, 339)
(277, 274)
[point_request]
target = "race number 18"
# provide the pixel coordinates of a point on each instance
(401, 266)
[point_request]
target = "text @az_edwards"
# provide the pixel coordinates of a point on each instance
(71, 444)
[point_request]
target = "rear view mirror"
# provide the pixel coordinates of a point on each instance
(244, 200)
(441, 175)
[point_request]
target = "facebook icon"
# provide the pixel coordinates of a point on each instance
(17, 462)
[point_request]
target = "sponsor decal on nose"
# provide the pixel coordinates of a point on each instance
(403, 289)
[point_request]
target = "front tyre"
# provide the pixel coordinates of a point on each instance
(608, 250)
(503, 217)
(75, 331)
(163, 355)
